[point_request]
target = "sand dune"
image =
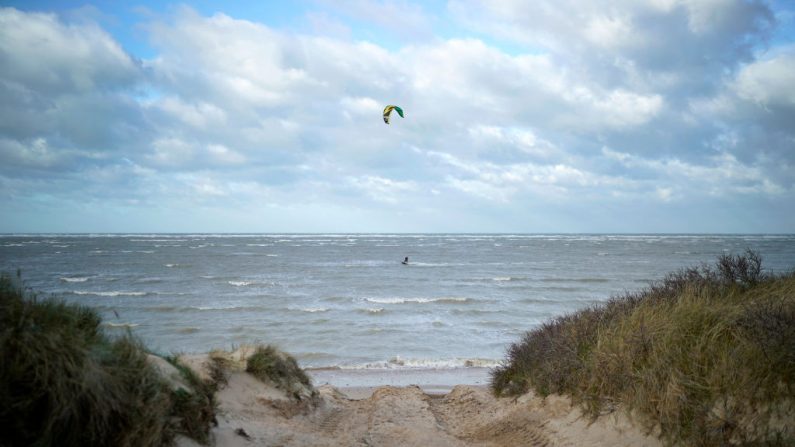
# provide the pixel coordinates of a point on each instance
(253, 413)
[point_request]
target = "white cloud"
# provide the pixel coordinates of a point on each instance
(199, 115)
(43, 54)
(403, 18)
(723, 176)
(171, 152)
(769, 82)
(382, 189)
(361, 106)
(667, 45)
(223, 154)
(230, 112)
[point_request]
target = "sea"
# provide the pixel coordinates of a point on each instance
(346, 301)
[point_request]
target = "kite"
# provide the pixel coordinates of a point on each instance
(388, 110)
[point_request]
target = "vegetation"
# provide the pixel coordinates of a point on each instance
(194, 409)
(268, 364)
(64, 382)
(705, 357)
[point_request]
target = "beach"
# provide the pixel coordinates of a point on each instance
(422, 407)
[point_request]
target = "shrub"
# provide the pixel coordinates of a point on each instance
(707, 356)
(64, 382)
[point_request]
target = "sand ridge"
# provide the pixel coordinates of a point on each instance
(251, 413)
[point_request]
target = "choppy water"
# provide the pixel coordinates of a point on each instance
(346, 300)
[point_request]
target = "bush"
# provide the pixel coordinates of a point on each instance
(707, 356)
(64, 382)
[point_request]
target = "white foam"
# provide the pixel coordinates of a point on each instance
(400, 363)
(111, 293)
(311, 309)
(121, 324)
(416, 300)
(502, 278)
(74, 279)
(240, 283)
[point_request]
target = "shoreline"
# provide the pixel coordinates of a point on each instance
(361, 383)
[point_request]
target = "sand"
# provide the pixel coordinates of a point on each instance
(252, 413)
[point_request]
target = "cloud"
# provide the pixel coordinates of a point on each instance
(660, 45)
(41, 54)
(405, 19)
(769, 82)
(58, 81)
(658, 103)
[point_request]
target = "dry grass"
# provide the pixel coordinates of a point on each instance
(706, 356)
(271, 365)
(194, 412)
(64, 382)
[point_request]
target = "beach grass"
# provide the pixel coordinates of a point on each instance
(268, 364)
(704, 357)
(63, 381)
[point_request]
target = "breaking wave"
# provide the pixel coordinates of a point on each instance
(451, 299)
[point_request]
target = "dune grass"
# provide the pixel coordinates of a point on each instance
(268, 364)
(704, 357)
(64, 382)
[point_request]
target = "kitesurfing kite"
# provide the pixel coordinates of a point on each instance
(388, 110)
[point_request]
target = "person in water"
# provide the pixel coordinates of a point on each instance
(405, 261)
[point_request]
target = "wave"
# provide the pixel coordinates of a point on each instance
(227, 308)
(120, 324)
(309, 309)
(109, 293)
(436, 264)
(371, 310)
(584, 280)
(451, 299)
(508, 278)
(473, 312)
(240, 283)
(149, 280)
(158, 240)
(243, 283)
(188, 330)
(74, 278)
(400, 363)
(232, 308)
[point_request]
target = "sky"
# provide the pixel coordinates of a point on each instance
(550, 116)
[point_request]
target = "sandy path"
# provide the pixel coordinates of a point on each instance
(252, 413)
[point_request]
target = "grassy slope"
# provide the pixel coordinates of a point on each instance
(706, 356)
(64, 382)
